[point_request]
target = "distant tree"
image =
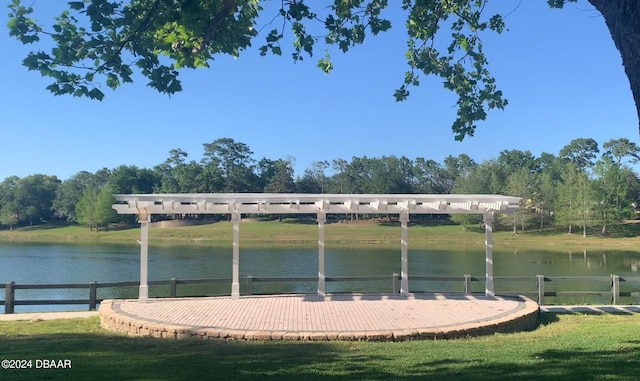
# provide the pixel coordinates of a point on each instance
(177, 157)
(586, 202)
(101, 177)
(194, 178)
(429, 176)
(68, 194)
(314, 178)
(7, 201)
(549, 178)
(9, 214)
(167, 172)
(131, 179)
(523, 183)
(510, 161)
(483, 178)
(86, 207)
(265, 170)
(389, 174)
(339, 178)
(612, 192)
(581, 152)
(567, 201)
(176, 175)
(575, 201)
(456, 169)
(308, 183)
(34, 197)
(619, 149)
(282, 179)
(318, 169)
(104, 214)
(546, 198)
(479, 179)
(358, 175)
(576, 193)
(234, 160)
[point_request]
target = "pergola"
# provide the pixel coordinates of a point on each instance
(236, 204)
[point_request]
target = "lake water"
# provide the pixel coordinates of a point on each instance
(54, 263)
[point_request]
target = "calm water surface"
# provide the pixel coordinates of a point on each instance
(47, 263)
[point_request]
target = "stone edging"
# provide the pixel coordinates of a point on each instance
(522, 320)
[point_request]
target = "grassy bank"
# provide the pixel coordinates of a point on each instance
(565, 347)
(273, 234)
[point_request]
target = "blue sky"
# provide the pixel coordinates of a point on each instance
(559, 69)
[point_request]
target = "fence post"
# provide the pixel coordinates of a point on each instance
(540, 279)
(93, 295)
(615, 289)
(394, 282)
(249, 285)
(467, 284)
(172, 288)
(9, 297)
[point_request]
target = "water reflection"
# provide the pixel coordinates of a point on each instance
(46, 264)
(581, 263)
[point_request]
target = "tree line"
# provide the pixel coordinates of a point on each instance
(577, 189)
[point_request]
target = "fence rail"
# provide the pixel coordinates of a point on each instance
(538, 290)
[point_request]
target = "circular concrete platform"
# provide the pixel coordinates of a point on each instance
(311, 317)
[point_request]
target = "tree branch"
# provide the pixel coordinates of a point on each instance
(228, 6)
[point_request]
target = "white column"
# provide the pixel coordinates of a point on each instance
(488, 244)
(235, 278)
(404, 265)
(322, 218)
(144, 218)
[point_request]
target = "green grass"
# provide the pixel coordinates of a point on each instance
(564, 347)
(273, 234)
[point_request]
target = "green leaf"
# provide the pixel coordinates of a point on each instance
(401, 94)
(274, 36)
(496, 23)
(95, 94)
(463, 43)
(325, 64)
(76, 5)
(112, 81)
(54, 88)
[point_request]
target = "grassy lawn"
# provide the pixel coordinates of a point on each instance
(273, 234)
(564, 347)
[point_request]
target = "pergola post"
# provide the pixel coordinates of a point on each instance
(322, 218)
(144, 217)
(404, 258)
(488, 244)
(235, 277)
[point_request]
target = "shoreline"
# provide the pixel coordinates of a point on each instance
(361, 235)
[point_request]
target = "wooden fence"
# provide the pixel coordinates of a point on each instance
(535, 287)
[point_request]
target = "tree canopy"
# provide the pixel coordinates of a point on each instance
(103, 42)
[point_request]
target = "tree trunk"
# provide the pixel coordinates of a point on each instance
(621, 17)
